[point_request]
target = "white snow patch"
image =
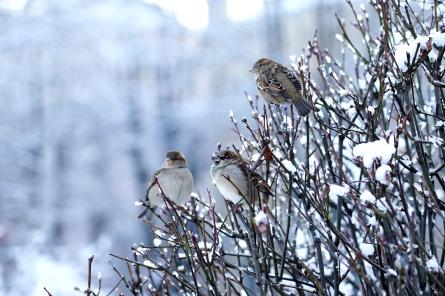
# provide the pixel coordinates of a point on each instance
(339, 37)
(433, 266)
(374, 150)
(255, 157)
(289, 166)
(343, 92)
(277, 154)
(159, 233)
(261, 221)
(367, 249)
(438, 38)
(242, 244)
(347, 105)
(157, 242)
(301, 240)
(347, 288)
(383, 174)
(150, 264)
(362, 83)
(440, 123)
(372, 221)
(261, 218)
(428, 109)
(367, 197)
(206, 246)
(403, 49)
(337, 190)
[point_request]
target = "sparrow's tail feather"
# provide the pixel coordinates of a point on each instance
(304, 107)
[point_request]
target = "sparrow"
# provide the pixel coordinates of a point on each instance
(279, 85)
(173, 179)
(229, 173)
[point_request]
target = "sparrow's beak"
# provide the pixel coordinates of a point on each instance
(215, 158)
(252, 70)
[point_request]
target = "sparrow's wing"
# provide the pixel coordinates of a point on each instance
(277, 84)
(257, 180)
(271, 86)
(292, 75)
(291, 80)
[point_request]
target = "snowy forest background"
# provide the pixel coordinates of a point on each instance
(94, 92)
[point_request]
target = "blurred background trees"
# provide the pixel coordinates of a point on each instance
(94, 92)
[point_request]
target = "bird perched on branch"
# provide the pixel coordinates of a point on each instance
(173, 180)
(279, 85)
(230, 175)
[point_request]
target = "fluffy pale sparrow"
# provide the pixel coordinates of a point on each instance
(279, 85)
(173, 179)
(229, 173)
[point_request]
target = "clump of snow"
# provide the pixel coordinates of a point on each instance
(242, 244)
(372, 221)
(440, 123)
(367, 249)
(346, 288)
(205, 245)
(403, 50)
(371, 151)
(150, 264)
(383, 174)
(433, 266)
(337, 190)
(277, 154)
(261, 221)
(343, 92)
(289, 166)
(157, 242)
(438, 38)
(138, 203)
(339, 37)
(255, 157)
(391, 271)
(367, 197)
(346, 105)
(362, 83)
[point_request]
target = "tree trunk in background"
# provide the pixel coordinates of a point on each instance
(33, 174)
(217, 12)
(165, 83)
(62, 192)
(324, 21)
(134, 121)
(273, 29)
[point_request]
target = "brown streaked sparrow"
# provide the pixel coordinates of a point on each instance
(173, 179)
(230, 172)
(279, 85)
